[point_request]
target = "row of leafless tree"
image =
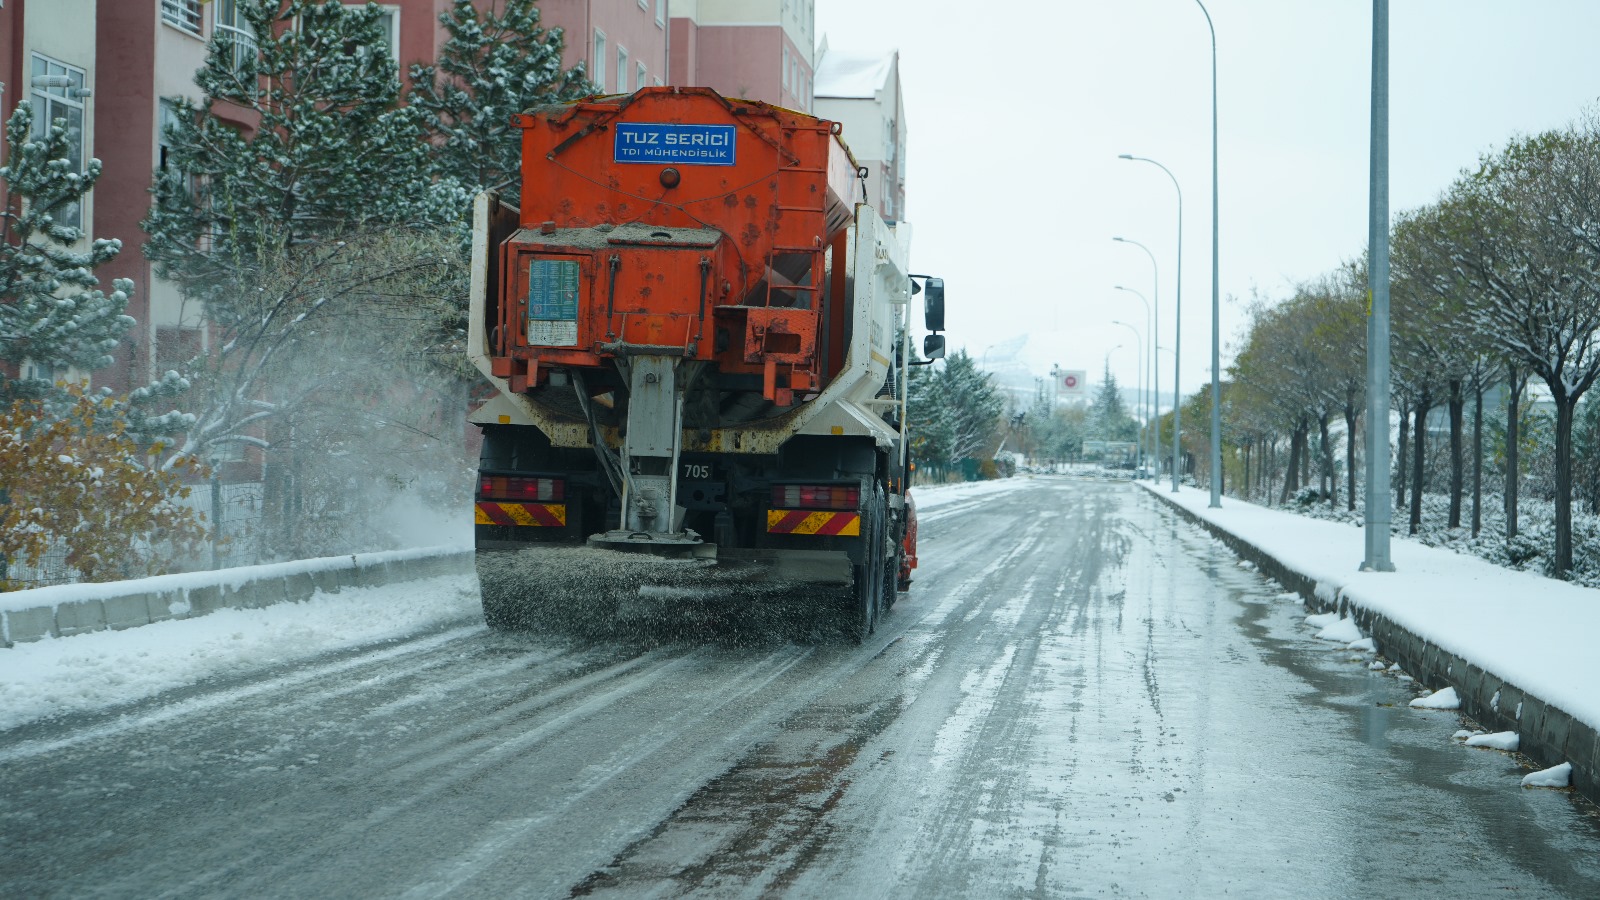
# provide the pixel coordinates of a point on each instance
(1494, 284)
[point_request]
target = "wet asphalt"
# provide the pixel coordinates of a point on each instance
(1080, 696)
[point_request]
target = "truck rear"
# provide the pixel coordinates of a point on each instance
(698, 339)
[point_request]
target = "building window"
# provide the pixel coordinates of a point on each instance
(640, 80)
(598, 69)
(661, 13)
(622, 69)
(168, 119)
(184, 14)
(57, 93)
(786, 68)
(231, 21)
(644, 5)
(389, 24)
(33, 371)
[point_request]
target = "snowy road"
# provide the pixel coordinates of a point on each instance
(1080, 696)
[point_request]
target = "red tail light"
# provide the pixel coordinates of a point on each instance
(815, 496)
(511, 487)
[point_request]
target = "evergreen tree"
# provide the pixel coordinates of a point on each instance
(321, 246)
(955, 412)
(51, 311)
(1108, 415)
(334, 150)
(494, 64)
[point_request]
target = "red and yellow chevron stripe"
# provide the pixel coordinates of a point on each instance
(805, 521)
(493, 513)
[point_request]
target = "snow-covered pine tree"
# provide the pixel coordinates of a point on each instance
(334, 150)
(496, 63)
(1108, 415)
(52, 313)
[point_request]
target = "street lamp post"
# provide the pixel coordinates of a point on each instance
(1377, 557)
(1150, 331)
(1216, 327)
(1138, 347)
(1155, 364)
(1177, 319)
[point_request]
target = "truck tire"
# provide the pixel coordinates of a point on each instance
(863, 618)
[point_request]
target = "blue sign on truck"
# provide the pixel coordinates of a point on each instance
(660, 142)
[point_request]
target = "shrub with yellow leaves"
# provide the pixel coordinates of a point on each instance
(71, 476)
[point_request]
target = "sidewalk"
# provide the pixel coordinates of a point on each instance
(1519, 648)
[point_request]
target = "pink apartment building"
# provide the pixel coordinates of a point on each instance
(752, 49)
(113, 67)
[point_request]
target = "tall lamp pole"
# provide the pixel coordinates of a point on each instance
(1155, 338)
(1177, 318)
(1138, 347)
(1150, 332)
(1216, 327)
(1377, 516)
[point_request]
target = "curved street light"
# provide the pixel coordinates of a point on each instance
(1149, 358)
(1139, 348)
(1177, 318)
(1155, 358)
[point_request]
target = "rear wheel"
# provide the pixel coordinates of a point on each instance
(864, 605)
(874, 582)
(891, 572)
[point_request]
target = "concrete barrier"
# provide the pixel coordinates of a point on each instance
(70, 609)
(1548, 735)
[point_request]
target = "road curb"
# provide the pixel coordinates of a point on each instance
(130, 604)
(1548, 734)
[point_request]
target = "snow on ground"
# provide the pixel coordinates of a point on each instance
(1500, 740)
(54, 676)
(232, 577)
(1445, 699)
(1532, 631)
(1342, 631)
(932, 496)
(1555, 776)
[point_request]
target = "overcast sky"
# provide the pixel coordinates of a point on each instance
(1017, 110)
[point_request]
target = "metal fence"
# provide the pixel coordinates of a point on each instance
(239, 507)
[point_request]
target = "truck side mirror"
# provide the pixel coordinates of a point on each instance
(933, 346)
(934, 304)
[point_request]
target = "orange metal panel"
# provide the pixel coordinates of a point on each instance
(714, 245)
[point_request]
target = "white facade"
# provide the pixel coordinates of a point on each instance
(862, 93)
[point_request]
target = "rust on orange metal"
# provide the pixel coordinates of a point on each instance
(678, 220)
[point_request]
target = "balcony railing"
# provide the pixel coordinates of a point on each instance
(183, 13)
(244, 44)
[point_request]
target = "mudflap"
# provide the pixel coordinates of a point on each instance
(593, 592)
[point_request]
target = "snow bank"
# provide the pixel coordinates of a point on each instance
(110, 668)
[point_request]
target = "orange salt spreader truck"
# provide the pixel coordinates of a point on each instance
(700, 339)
